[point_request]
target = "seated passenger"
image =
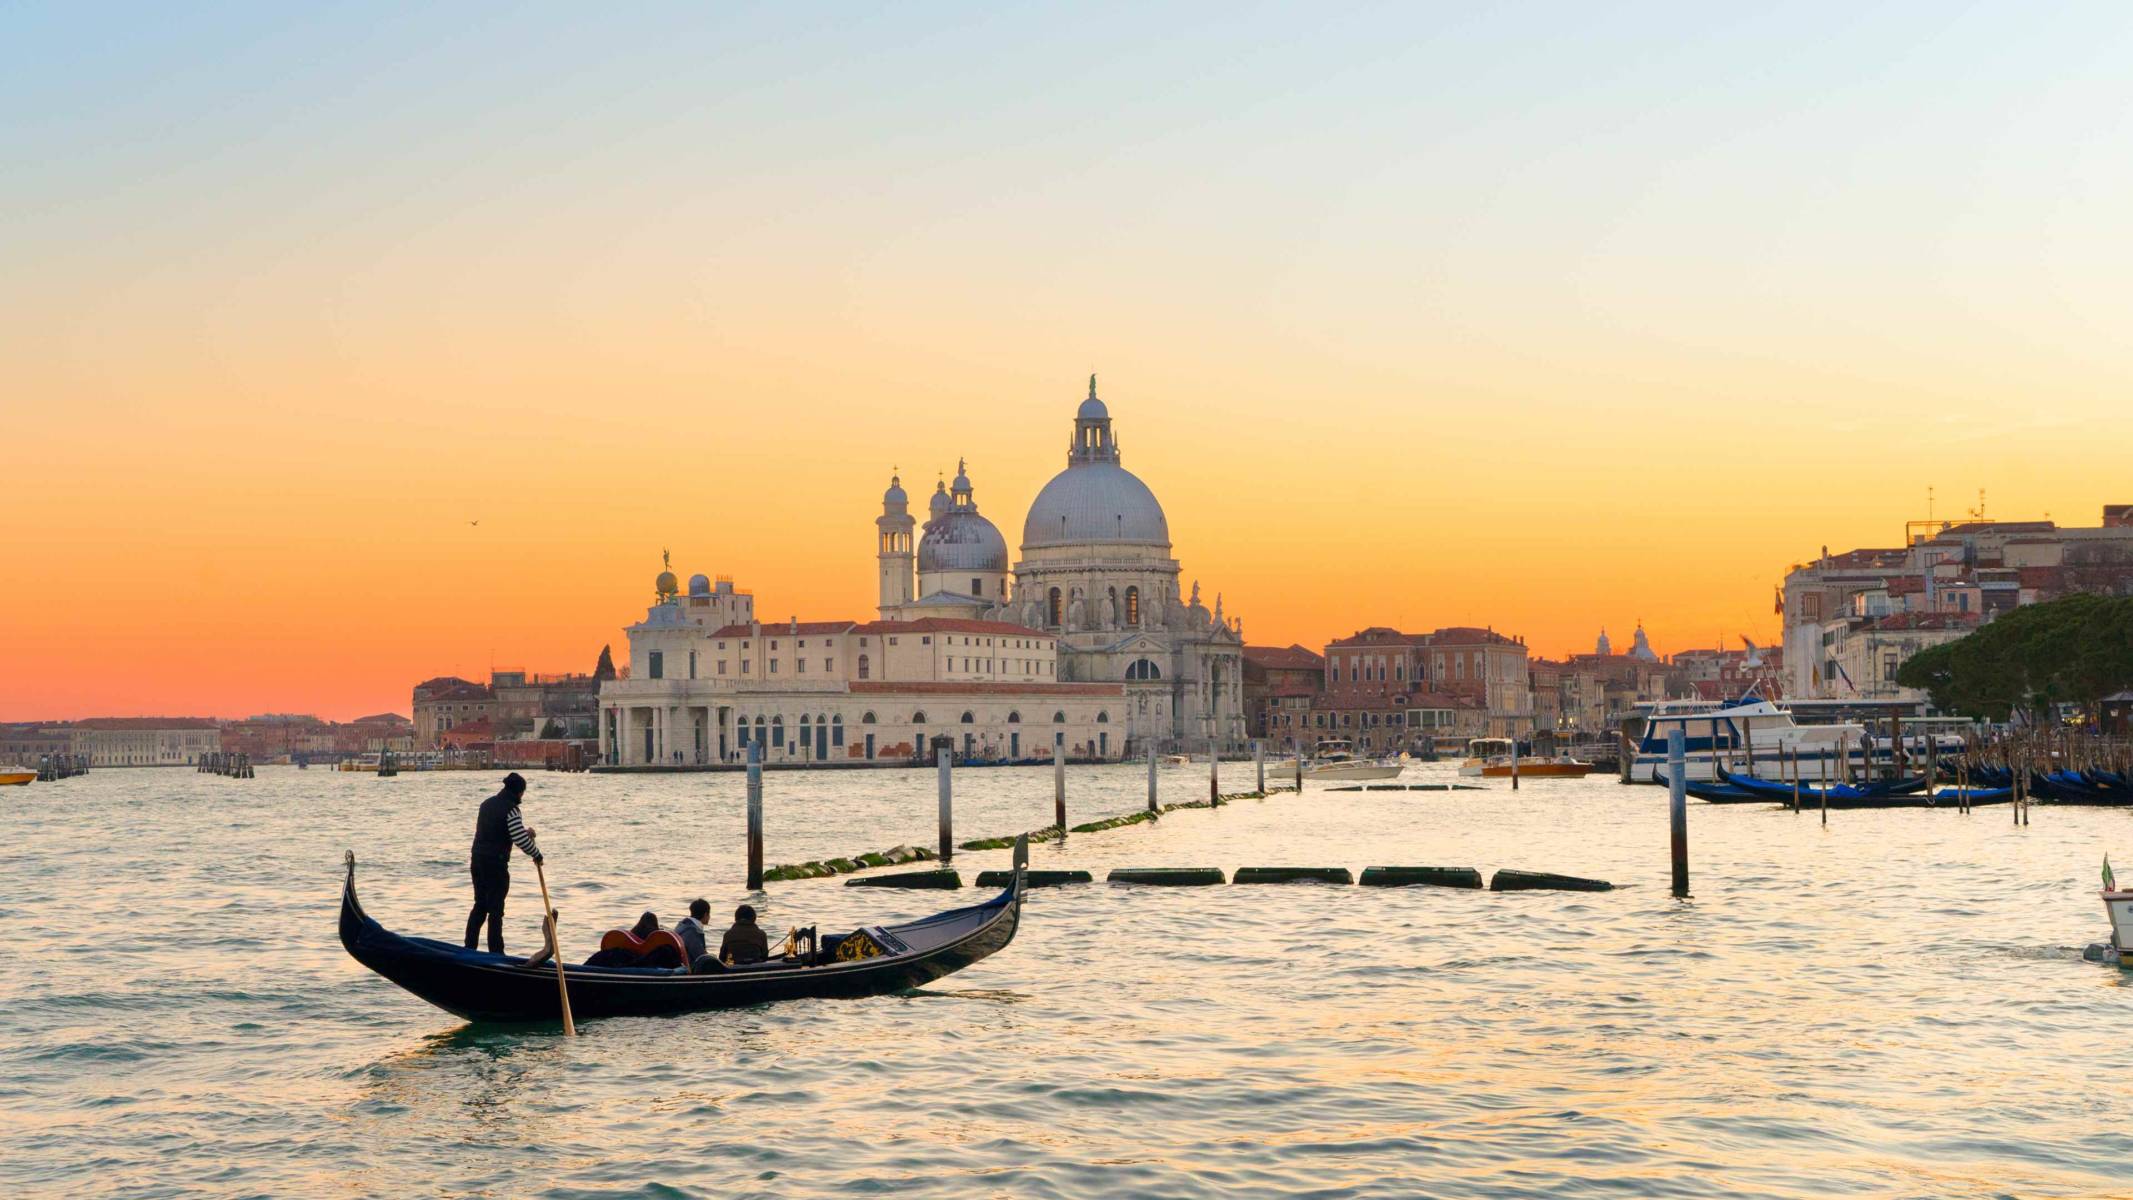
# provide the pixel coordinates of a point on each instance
(744, 943)
(692, 931)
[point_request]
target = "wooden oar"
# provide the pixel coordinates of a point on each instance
(570, 1028)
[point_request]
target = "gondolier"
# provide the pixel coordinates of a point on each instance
(497, 827)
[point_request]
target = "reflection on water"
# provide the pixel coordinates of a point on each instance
(1892, 1005)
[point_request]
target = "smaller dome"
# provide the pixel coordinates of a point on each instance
(666, 584)
(1092, 409)
(962, 481)
(895, 494)
(699, 585)
(941, 503)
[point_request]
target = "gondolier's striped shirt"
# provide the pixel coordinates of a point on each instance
(516, 827)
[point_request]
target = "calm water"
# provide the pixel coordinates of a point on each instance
(1892, 1006)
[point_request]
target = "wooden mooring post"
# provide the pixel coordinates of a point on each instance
(1152, 805)
(1214, 773)
(1677, 805)
(1514, 758)
(1259, 765)
(1795, 780)
(755, 816)
(944, 764)
(1059, 781)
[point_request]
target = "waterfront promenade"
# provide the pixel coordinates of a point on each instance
(1892, 1006)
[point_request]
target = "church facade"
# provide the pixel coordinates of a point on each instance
(1087, 646)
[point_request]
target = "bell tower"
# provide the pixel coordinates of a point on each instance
(893, 528)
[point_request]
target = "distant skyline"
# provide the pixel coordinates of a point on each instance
(1547, 319)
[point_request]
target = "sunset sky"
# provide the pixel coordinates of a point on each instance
(1548, 319)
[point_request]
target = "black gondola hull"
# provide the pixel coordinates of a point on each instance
(491, 987)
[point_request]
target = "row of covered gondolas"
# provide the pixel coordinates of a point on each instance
(2066, 772)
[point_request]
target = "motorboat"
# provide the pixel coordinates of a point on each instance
(17, 776)
(1334, 761)
(1493, 758)
(2118, 905)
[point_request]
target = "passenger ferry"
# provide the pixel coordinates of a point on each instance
(1756, 737)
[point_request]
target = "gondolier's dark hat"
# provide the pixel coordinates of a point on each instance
(514, 782)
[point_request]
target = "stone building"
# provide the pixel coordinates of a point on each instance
(145, 741)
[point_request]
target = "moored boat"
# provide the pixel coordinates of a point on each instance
(1334, 761)
(869, 961)
(17, 776)
(2118, 906)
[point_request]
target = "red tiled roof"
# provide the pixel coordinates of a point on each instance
(782, 628)
(148, 723)
(945, 687)
(382, 719)
(1381, 635)
(1293, 690)
(1458, 635)
(1290, 657)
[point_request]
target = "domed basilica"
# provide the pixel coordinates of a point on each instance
(1096, 572)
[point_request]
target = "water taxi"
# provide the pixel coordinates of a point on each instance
(1490, 758)
(1334, 761)
(16, 776)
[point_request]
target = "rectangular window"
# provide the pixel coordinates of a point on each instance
(659, 665)
(924, 641)
(798, 665)
(773, 645)
(722, 671)
(892, 641)
(825, 666)
(692, 665)
(773, 666)
(745, 664)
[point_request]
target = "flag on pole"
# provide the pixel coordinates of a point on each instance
(1780, 599)
(2109, 884)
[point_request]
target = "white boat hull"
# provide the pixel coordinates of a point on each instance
(1351, 772)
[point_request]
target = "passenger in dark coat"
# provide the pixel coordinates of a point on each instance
(744, 943)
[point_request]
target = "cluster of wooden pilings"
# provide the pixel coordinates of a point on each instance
(232, 764)
(52, 768)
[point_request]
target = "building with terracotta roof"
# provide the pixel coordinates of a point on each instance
(1840, 641)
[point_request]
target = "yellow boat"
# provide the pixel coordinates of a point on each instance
(11, 776)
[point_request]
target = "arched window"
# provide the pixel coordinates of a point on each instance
(919, 717)
(1141, 668)
(867, 719)
(1014, 718)
(863, 666)
(1054, 608)
(1133, 606)
(1058, 718)
(777, 732)
(837, 730)
(1103, 718)
(968, 719)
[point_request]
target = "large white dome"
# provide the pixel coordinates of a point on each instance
(1095, 502)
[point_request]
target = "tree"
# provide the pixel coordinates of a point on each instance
(2077, 649)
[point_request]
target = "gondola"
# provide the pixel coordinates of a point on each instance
(1714, 793)
(1861, 795)
(480, 986)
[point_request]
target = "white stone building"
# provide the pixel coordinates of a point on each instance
(1086, 643)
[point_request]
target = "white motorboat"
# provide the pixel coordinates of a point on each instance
(2118, 905)
(1334, 761)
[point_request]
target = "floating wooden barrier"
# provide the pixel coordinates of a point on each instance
(1508, 880)
(1292, 875)
(1451, 877)
(842, 866)
(943, 878)
(1035, 879)
(1167, 876)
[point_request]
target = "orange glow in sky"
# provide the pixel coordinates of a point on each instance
(1409, 325)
